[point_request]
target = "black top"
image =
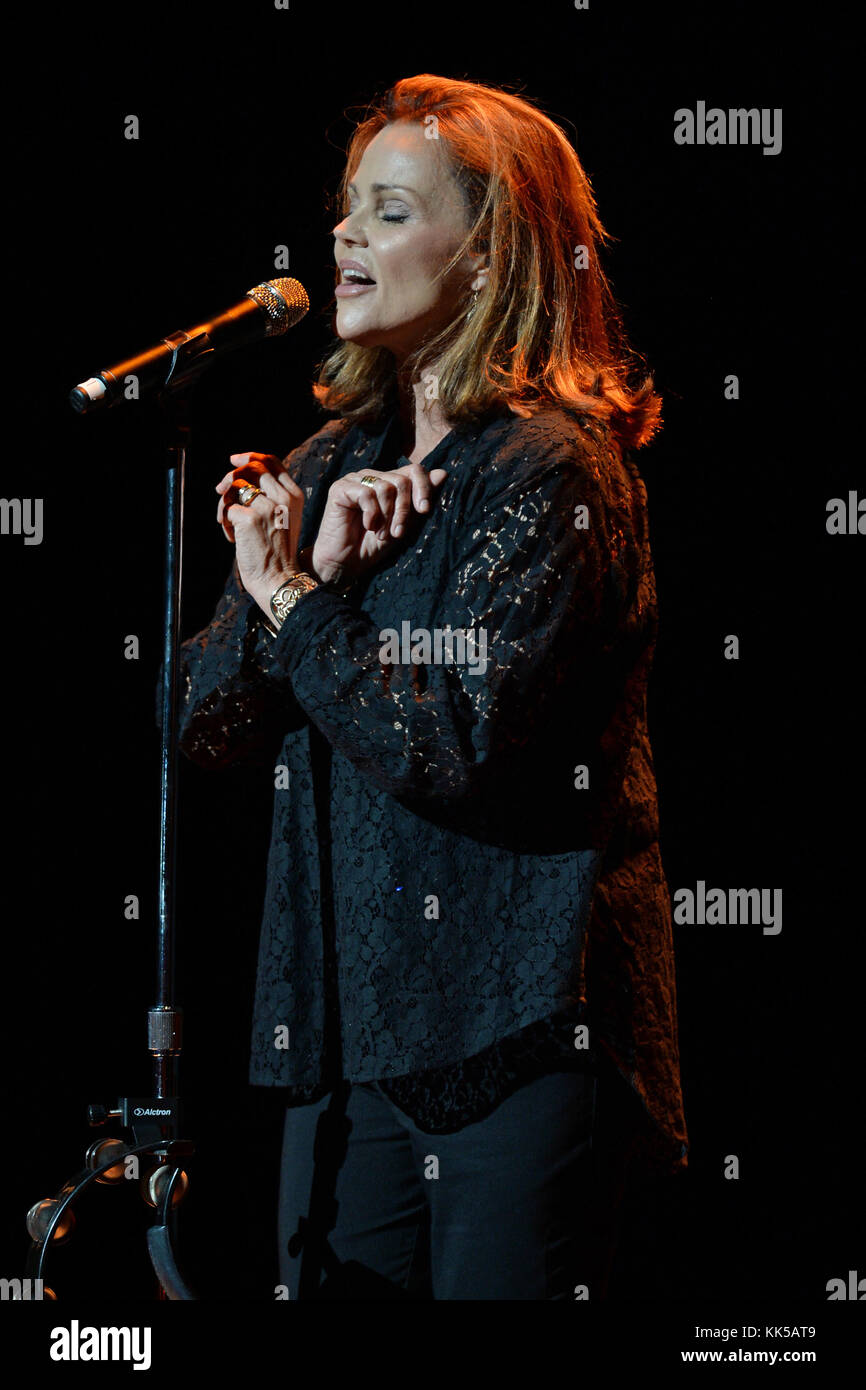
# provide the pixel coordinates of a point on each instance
(449, 907)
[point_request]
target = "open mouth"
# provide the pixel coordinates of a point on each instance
(354, 285)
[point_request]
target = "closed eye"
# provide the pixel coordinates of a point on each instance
(383, 216)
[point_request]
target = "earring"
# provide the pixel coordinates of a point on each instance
(474, 302)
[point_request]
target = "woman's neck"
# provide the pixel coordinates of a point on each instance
(422, 421)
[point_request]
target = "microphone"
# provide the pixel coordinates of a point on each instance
(267, 311)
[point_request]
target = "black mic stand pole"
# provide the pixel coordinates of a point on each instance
(165, 1019)
(155, 1120)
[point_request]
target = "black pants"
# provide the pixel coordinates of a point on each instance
(519, 1205)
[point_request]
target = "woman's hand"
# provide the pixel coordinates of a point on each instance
(363, 521)
(266, 532)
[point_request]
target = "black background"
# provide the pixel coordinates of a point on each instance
(726, 261)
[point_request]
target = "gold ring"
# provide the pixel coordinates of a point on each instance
(247, 493)
(369, 478)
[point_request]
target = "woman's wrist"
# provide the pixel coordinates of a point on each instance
(333, 577)
(295, 584)
(265, 591)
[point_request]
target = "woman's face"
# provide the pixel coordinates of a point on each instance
(406, 219)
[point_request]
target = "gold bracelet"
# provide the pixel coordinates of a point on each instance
(284, 598)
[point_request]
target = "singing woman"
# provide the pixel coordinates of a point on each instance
(437, 633)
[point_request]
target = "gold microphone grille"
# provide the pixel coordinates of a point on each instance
(284, 301)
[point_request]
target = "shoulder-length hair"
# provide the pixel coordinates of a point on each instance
(546, 330)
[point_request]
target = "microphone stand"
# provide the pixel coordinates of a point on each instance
(154, 1121)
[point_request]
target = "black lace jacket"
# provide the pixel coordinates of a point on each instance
(451, 904)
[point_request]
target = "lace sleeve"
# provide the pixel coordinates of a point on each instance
(534, 582)
(227, 712)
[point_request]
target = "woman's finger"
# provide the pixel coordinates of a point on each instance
(252, 463)
(249, 472)
(420, 485)
(423, 484)
(349, 493)
(255, 474)
(403, 496)
(224, 482)
(252, 472)
(266, 460)
(373, 518)
(287, 497)
(268, 466)
(223, 521)
(394, 495)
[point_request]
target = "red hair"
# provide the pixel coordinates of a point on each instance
(546, 329)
